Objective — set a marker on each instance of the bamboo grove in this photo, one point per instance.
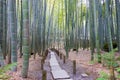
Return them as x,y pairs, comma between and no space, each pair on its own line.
32,26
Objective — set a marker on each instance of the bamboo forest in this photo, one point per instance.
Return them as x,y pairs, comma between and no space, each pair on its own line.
59,39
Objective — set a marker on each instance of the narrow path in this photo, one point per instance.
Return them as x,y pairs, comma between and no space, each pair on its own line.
57,72
54,63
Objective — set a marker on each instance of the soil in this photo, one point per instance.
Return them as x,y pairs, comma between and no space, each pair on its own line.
34,72
83,65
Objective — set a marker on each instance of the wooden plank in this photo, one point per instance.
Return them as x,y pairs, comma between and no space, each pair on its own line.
55,67
60,74
53,60
84,75
52,53
57,72
52,63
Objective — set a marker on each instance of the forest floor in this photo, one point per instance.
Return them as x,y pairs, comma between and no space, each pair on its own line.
83,66
34,72
92,68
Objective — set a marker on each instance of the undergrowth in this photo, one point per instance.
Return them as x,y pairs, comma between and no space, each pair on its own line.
4,69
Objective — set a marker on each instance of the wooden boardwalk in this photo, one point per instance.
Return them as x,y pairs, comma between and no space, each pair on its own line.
57,72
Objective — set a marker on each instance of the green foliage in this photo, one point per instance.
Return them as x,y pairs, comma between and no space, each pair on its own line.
95,59
84,9
118,69
118,76
108,61
117,59
101,79
93,62
4,69
103,76
7,67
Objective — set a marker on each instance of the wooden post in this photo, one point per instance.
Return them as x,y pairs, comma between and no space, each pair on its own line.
34,55
44,59
58,53
61,56
74,66
112,74
64,59
42,63
44,75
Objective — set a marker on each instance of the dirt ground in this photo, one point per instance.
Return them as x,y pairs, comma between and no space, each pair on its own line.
83,66
83,59
34,72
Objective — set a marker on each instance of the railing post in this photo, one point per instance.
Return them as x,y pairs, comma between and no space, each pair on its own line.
44,75
74,66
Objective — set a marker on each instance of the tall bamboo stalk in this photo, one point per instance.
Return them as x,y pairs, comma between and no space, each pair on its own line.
25,45
13,27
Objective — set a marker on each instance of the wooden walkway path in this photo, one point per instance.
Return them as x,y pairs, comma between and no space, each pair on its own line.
57,72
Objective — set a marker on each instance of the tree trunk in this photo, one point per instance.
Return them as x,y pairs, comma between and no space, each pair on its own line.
25,46
13,27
